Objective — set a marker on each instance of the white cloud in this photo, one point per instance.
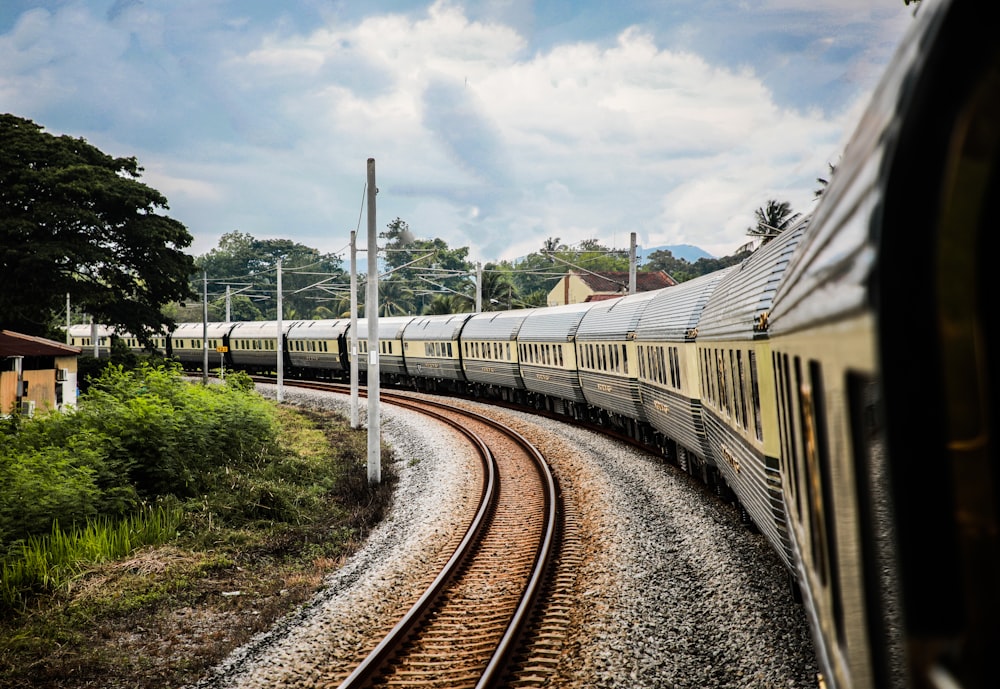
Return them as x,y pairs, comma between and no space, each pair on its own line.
477,140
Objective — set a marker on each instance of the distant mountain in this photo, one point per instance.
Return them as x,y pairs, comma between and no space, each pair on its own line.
684,251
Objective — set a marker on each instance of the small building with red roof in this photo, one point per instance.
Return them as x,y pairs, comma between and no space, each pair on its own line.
577,287
36,373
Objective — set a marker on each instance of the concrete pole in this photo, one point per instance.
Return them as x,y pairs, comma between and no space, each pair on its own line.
204,327
479,287
229,304
353,346
280,347
371,313
68,338
631,266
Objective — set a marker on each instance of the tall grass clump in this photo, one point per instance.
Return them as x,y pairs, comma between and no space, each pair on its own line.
48,562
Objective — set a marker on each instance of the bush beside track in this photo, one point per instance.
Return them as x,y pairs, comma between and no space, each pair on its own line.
162,523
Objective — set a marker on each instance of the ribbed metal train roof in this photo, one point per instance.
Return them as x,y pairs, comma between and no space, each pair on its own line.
495,325
249,329
554,323
674,313
389,327
444,327
326,329
615,319
215,329
744,297
837,255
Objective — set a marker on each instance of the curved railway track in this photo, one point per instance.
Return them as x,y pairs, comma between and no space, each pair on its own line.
466,628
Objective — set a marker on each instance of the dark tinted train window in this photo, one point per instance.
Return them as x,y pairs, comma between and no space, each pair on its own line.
822,448
755,394
812,474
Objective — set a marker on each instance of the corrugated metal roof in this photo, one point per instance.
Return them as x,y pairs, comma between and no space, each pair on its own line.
495,325
553,323
738,309
674,313
614,320
326,329
444,327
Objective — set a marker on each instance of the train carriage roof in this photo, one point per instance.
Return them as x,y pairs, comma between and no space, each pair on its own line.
198,330
443,327
827,276
674,313
738,308
495,325
554,323
615,319
389,327
323,329
245,330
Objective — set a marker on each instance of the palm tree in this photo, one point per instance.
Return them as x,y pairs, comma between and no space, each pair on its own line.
772,219
443,304
498,289
395,298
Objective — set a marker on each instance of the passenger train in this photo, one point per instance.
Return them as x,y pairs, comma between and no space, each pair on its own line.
840,385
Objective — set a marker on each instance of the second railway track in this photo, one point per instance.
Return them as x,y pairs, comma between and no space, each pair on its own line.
464,631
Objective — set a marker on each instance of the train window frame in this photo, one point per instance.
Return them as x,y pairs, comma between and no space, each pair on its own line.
755,395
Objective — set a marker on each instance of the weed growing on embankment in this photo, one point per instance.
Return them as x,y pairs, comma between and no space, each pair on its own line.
163,524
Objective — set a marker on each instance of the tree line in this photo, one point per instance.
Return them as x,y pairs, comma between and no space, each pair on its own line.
76,221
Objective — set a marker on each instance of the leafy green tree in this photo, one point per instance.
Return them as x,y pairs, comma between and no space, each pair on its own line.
395,298
246,263
74,220
439,266
773,218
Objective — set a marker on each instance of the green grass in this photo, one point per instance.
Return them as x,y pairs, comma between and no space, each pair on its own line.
46,563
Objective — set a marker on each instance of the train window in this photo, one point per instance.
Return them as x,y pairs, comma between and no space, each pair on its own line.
791,448
507,348
741,377
755,395
827,508
811,474
624,360
449,350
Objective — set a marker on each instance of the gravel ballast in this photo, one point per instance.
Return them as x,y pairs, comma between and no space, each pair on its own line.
674,591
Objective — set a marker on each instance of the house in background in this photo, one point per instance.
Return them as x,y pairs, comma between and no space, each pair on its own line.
577,287
36,373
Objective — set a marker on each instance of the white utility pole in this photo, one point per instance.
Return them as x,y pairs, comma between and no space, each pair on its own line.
204,327
479,287
353,346
281,358
229,304
371,314
631,266
68,338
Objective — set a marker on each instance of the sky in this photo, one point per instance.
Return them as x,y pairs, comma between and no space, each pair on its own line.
494,125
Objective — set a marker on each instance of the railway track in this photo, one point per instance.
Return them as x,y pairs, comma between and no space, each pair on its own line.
469,627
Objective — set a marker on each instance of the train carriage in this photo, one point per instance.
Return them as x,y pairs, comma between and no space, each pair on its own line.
318,348
489,352
737,399
391,362
82,335
547,357
668,371
608,361
431,346
253,346
887,382
187,344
